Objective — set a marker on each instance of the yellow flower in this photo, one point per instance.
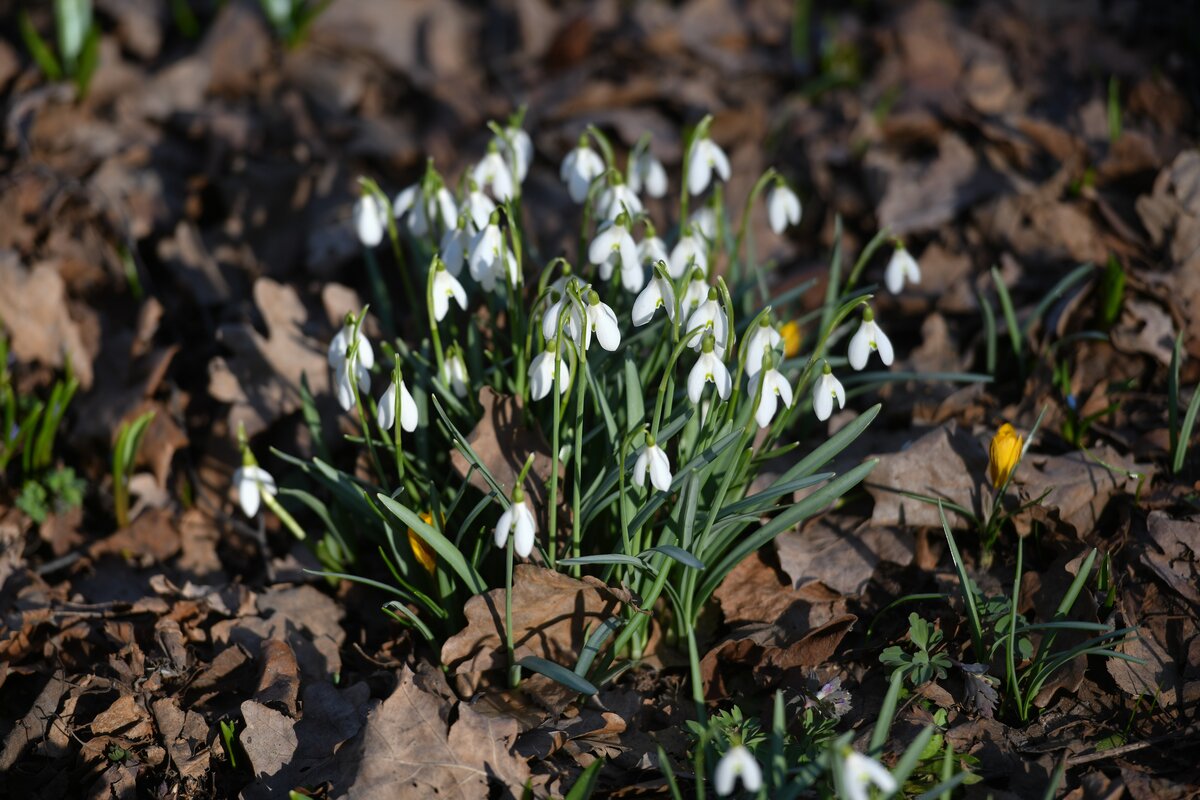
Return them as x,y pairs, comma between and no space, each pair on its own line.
791,339
1003,455
420,548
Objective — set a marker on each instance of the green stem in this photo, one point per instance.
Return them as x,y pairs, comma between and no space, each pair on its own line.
514,670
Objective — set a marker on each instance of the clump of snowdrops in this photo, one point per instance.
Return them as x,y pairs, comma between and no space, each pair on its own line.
653,377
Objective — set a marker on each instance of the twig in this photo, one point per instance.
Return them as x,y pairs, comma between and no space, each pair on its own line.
1132,747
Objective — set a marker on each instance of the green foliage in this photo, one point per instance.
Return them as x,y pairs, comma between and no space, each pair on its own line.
129,441
78,40
292,19
927,662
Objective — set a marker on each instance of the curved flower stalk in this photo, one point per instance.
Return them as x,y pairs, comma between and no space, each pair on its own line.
653,459
901,267
783,207
868,337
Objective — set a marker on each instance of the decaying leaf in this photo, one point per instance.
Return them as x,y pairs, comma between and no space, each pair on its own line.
771,654
945,463
502,442
839,552
551,613
409,749
980,689
262,376
1173,552
1078,487
33,313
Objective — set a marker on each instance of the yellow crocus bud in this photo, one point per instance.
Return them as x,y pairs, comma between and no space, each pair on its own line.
791,339
420,548
1003,455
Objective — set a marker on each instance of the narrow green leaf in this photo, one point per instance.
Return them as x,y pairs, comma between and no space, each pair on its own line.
887,713
831,447
635,408
1185,432
440,544
595,642
41,53
912,755
558,673
676,553
585,784
1010,314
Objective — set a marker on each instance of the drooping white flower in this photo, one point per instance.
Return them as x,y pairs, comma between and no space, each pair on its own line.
600,320
580,167
708,369
520,521
827,389
706,156
491,258
901,267
492,172
370,219
445,286
690,251
860,773
614,247
651,250
647,172
709,317
868,337
573,324
783,207
454,372
480,208
775,388
654,459
658,294
517,148
385,411
541,372
347,369
737,763
704,221
695,293
251,481
618,198
403,202
420,212
763,339
454,245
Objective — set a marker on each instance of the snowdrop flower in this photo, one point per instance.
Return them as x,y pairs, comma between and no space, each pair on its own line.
444,287
658,294
614,246
860,773
710,318
900,268
695,293
370,219
520,521
689,251
493,172
517,149
581,166
869,337
651,250
775,387
541,372
783,207
705,157
347,369
825,391
618,198
572,325
704,220
600,319
454,245
709,369
420,211
647,172
737,763
252,481
490,257
479,207
454,371
385,412
762,340
655,459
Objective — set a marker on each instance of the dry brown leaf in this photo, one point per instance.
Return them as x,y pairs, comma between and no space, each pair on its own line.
184,734
33,310
269,739
409,750
551,613
33,725
279,681
262,377
839,552
1078,487
945,463
1157,676
1176,543
502,442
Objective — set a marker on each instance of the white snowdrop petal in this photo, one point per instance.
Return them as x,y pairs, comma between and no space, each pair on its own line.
503,526
884,345
860,347
639,469
408,410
